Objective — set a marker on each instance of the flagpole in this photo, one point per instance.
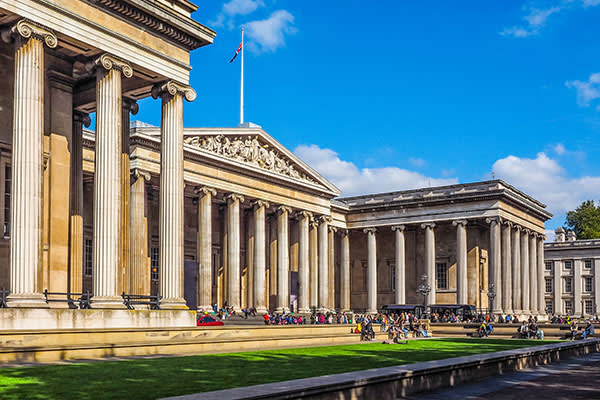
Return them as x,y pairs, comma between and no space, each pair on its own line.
242,83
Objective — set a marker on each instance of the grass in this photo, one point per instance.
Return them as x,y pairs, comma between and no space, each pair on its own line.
161,377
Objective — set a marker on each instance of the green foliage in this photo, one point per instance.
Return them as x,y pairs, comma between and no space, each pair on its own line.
585,220
162,377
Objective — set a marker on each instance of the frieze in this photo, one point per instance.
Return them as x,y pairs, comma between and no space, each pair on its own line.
249,150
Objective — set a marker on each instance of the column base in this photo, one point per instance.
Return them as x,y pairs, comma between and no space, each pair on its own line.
517,312
201,309
279,310
509,311
108,302
26,300
261,310
304,310
173,304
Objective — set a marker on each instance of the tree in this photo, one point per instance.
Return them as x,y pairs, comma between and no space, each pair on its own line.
585,220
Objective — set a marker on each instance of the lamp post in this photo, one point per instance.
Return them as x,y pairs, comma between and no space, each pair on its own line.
424,289
582,309
491,296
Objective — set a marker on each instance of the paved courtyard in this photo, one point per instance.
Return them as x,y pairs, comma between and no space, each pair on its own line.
577,378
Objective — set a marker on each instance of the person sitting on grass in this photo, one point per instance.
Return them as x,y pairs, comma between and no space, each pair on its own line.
588,330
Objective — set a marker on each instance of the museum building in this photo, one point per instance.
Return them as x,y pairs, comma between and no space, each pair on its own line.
204,216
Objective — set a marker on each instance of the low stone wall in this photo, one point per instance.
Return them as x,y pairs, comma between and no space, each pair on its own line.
393,382
64,318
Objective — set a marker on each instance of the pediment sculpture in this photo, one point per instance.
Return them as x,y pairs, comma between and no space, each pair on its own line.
249,150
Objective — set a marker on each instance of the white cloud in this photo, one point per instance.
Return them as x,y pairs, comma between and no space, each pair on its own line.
269,34
546,180
587,91
233,8
417,162
560,149
550,235
538,17
354,181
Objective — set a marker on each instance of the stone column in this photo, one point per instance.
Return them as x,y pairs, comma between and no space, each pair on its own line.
506,268
107,182
345,271
461,261
313,250
129,106
204,247
171,192
27,148
533,280
557,287
577,285
303,261
323,263
516,270
525,272
283,259
372,270
138,239
400,265
495,260
541,280
331,266
596,285
430,259
76,203
260,256
233,250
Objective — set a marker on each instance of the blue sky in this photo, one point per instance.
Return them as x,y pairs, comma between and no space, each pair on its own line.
395,95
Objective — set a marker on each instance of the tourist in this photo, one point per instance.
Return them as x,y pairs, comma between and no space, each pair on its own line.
588,330
573,330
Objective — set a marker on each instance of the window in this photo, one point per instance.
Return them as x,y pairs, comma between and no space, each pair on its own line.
587,264
589,283
568,285
568,306
548,285
7,182
548,265
569,264
549,307
589,307
87,271
441,274
154,263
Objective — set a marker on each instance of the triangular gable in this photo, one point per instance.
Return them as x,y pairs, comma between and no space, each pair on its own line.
256,149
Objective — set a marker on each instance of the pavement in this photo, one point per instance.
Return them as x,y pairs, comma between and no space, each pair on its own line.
573,379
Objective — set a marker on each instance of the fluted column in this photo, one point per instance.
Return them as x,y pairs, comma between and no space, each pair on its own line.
233,250
28,130
516,270
303,261
283,259
313,251
541,287
345,271
525,272
371,270
533,275
506,268
494,263
204,247
430,260
171,192
107,182
461,261
76,203
400,265
323,263
331,265
138,239
260,256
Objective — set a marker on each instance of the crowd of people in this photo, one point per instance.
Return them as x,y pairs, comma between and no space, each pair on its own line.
314,319
397,326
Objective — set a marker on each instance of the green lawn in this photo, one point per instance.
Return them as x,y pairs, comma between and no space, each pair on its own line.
160,377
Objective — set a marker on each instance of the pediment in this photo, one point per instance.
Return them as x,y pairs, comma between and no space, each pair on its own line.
255,149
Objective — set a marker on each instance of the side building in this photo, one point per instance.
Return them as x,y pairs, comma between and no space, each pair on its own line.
572,275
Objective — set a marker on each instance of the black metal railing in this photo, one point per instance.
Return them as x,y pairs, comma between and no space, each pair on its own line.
73,299
131,300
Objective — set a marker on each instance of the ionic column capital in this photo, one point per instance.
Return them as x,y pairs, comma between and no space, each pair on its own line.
429,225
108,62
332,229
344,232
26,29
323,219
137,173
261,203
518,227
491,220
304,214
130,105
82,118
509,224
232,197
172,88
284,209
400,228
370,230
204,190
461,222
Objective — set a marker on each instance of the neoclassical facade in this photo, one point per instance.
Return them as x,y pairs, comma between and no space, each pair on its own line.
204,216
